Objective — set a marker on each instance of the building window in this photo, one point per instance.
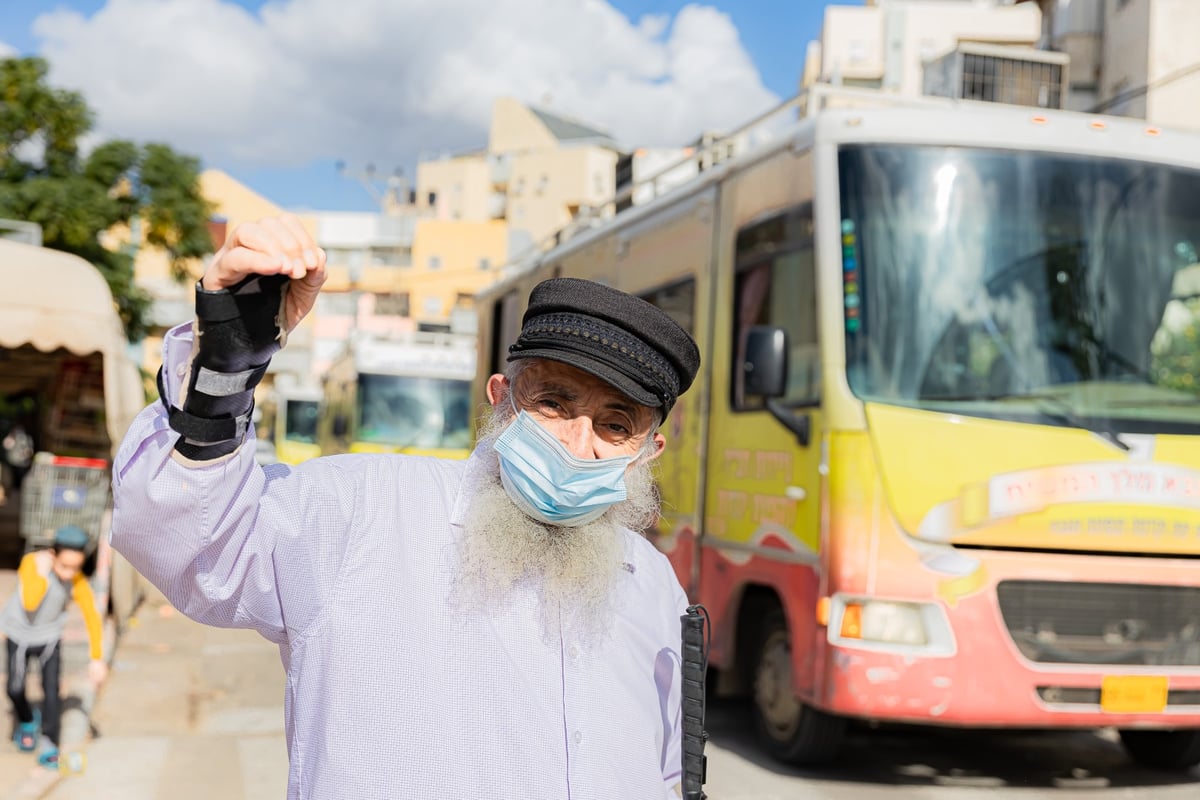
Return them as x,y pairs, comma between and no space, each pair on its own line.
432,197
678,300
337,304
394,304
485,264
435,262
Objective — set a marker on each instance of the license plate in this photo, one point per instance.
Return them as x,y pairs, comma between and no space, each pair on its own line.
1128,694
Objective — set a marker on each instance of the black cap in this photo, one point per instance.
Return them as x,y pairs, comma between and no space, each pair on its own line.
618,337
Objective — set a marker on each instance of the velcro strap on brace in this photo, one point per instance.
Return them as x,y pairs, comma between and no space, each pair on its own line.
204,439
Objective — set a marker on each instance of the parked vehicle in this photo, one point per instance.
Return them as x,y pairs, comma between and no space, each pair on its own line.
942,462
401,393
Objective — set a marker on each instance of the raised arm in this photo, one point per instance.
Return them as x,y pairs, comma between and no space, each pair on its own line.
228,543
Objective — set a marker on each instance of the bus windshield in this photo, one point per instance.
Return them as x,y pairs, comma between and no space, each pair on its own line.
301,421
1051,288
414,412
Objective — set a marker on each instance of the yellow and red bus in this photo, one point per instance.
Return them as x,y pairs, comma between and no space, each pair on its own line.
941,464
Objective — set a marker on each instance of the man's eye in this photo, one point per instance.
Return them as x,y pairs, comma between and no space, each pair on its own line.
548,403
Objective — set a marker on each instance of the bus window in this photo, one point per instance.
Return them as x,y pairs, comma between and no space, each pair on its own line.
775,285
678,300
506,324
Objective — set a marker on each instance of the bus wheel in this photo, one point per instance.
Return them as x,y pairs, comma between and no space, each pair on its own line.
1173,750
787,728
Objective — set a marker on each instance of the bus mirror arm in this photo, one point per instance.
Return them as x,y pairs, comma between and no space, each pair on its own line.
799,424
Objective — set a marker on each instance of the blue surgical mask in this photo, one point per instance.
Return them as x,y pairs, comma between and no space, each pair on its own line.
548,483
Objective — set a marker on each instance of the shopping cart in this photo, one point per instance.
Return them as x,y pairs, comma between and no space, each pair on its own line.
62,490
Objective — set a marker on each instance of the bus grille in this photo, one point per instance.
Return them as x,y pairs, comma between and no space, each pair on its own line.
1054,622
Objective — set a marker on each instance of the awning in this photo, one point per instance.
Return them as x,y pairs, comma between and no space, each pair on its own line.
52,300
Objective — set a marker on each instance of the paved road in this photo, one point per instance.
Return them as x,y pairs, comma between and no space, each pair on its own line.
936,764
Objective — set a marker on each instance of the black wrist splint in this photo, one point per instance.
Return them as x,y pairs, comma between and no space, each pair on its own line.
237,334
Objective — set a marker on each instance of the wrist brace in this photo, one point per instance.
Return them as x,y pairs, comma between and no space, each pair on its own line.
237,333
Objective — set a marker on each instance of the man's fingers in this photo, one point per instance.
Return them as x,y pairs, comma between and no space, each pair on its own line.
307,247
239,262
289,247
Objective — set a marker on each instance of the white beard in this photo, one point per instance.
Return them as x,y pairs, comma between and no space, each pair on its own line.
573,570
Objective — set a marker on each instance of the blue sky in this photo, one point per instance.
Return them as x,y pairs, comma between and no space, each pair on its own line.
276,94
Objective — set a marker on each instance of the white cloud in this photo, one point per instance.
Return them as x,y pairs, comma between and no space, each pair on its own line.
381,80
8,51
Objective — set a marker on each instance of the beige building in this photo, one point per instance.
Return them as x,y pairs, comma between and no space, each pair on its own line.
452,259
538,172
1126,57
1136,58
416,263
887,44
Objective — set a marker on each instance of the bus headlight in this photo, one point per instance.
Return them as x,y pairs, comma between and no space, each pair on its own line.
900,623
890,625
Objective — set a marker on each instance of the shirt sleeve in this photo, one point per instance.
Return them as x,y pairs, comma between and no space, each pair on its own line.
229,542
33,585
81,593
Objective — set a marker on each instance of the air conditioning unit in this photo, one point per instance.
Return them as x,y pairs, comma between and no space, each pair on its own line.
997,74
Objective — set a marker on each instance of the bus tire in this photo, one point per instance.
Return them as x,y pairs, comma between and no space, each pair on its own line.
1167,750
788,729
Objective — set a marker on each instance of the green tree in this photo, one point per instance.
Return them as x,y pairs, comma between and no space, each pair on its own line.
44,178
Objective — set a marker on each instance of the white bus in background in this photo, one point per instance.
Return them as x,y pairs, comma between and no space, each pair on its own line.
401,393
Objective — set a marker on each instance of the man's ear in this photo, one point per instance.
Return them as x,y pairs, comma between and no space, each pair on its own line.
497,389
660,443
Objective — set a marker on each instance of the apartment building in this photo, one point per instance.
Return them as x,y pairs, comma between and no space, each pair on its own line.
1134,58
886,44
1125,57
538,172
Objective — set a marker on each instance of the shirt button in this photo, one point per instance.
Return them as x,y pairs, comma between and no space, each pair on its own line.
573,652
182,368
578,737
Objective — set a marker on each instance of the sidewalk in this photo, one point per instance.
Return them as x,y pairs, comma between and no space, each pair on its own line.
188,712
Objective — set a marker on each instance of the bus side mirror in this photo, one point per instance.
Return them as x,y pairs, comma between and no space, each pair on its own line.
765,367
765,374
340,426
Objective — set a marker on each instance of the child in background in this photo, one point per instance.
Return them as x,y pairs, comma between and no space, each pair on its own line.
33,622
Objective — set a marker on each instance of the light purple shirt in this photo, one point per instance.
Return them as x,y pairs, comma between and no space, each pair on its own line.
346,563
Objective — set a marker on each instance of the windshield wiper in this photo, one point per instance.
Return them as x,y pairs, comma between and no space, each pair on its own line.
1049,405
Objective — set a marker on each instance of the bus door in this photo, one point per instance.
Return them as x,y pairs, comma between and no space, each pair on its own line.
763,494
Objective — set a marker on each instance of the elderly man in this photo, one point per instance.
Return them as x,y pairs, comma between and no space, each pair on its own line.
488,628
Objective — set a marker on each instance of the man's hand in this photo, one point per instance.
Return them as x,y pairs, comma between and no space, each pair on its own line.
272,246
97,671
45,562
